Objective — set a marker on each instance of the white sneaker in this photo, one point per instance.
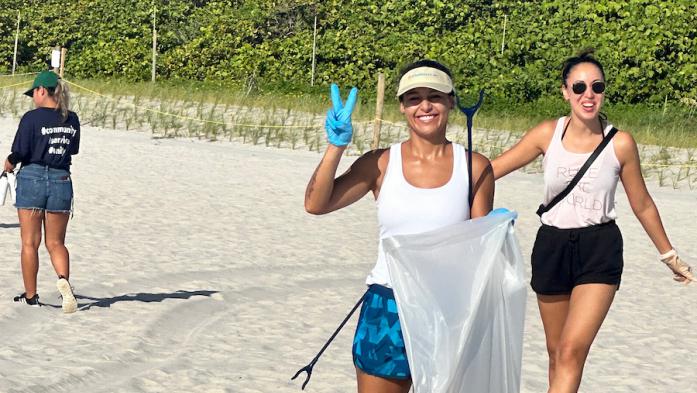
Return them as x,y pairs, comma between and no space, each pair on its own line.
69,302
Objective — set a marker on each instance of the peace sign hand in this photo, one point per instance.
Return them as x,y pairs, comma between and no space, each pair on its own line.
338,122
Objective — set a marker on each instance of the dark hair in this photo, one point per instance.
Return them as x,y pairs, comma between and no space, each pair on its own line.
424,63
585,56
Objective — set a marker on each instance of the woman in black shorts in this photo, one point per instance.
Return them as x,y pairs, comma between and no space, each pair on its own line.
46,139
577,256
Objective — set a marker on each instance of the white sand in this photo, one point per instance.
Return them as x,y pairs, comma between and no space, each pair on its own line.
197,270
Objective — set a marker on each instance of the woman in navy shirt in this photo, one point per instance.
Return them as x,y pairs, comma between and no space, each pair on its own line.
46,139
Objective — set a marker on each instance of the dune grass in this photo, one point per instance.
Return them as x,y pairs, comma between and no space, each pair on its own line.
292,118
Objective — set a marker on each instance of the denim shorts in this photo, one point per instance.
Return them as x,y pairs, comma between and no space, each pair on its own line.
42,188
378,346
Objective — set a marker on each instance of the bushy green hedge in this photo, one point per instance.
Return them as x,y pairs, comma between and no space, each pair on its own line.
649,47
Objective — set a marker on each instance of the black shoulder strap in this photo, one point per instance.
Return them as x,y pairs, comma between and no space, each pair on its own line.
544,209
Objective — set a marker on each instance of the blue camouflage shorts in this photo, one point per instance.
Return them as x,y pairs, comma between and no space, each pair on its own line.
378,346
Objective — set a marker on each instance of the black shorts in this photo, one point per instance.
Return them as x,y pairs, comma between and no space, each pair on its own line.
564,258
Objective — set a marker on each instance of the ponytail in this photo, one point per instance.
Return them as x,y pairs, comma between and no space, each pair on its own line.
62,96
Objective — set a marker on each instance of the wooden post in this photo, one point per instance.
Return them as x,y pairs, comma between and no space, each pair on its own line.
14,59
314,51
64,51
378,110
503,39
154,44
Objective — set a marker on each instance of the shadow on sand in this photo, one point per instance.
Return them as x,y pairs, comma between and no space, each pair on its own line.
132,297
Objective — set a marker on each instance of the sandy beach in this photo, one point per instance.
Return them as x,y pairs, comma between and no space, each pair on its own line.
197,270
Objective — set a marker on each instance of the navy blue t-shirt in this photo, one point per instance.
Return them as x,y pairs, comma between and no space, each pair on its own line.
43,138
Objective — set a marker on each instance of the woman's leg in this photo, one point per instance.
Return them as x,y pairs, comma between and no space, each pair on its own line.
371,384
55,228
553,310
30,232
56,224
588,306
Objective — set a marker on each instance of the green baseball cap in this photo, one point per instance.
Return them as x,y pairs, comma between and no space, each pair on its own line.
44,79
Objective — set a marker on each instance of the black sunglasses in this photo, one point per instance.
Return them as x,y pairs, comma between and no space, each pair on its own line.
579,87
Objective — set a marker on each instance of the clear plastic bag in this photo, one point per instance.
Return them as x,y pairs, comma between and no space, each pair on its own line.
7,188
461,296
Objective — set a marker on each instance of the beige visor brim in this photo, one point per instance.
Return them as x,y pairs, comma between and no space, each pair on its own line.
425,77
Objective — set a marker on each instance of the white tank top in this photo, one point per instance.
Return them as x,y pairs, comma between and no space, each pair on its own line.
592,201
405,209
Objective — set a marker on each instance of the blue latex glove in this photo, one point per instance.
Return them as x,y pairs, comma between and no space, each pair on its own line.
502,210
338,122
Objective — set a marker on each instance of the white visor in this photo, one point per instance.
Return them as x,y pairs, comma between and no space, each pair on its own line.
425,77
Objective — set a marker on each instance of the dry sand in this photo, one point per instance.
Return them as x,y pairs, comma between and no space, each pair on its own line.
197,270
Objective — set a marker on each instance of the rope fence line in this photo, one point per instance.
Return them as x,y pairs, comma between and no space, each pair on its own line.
14,85
390,122
670,165
110,98
16,75
182,117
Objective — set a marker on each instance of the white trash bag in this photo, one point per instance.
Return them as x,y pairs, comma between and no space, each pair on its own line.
461,296
7,188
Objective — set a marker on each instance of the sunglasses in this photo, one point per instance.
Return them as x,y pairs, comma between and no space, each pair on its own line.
579,87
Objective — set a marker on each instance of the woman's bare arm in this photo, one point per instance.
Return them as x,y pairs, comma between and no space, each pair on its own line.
483,187
325,193
533,143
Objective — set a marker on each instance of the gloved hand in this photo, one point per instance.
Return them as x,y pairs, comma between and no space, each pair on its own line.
338,122
681,270
502,210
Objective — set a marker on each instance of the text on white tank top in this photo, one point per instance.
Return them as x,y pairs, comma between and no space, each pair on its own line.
592,201
405,209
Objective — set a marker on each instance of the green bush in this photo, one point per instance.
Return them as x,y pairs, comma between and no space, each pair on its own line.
649,48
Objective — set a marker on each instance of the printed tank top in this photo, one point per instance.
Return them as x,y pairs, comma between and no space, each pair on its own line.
592,201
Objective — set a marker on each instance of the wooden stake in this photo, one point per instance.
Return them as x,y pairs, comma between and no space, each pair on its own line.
154,45
314,51
503,39
378,110
64,51
14,59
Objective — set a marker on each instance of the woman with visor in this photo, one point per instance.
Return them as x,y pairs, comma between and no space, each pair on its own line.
419,185
577,256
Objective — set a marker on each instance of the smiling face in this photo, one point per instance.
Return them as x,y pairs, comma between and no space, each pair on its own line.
426,111
586,105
